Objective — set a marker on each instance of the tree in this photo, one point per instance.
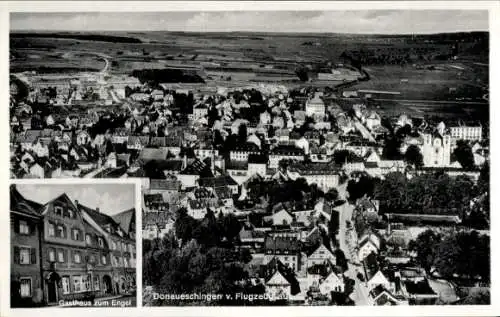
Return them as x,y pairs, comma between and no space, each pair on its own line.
334,224
242,133
364,186
463,154
340,259
426,248
413,156
483,183
332,195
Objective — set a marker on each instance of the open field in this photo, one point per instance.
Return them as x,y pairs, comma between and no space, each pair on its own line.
443,82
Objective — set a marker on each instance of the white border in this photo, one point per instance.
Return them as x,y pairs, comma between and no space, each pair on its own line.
154,6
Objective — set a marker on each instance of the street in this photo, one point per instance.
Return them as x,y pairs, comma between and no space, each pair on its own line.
347,243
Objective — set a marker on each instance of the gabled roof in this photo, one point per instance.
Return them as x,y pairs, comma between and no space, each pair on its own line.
165,184
126,220
21,204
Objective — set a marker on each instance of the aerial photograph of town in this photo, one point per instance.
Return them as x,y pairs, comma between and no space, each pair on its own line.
305,158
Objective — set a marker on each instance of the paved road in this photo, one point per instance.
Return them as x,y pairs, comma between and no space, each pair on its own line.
347,240
364,131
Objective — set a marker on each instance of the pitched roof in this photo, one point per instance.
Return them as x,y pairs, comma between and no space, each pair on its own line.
19,203
126,220
153,154
164,184
281,244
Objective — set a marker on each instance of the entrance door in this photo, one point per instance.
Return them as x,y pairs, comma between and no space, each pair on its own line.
52,291
108,288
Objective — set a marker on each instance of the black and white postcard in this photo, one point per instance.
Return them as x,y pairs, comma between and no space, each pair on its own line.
304,156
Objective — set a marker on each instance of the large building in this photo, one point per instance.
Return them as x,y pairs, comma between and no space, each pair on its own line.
315,106
436,150
62,250
121,247
464,132
26,276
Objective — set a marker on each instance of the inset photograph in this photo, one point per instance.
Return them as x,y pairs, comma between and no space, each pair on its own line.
72,245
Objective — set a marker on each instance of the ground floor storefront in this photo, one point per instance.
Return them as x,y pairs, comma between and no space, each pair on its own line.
63,286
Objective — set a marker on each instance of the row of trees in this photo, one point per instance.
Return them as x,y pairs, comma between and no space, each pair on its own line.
199,257
454,255
431,192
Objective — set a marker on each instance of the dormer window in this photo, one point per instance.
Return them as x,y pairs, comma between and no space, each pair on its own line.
101,242
58,210
88,239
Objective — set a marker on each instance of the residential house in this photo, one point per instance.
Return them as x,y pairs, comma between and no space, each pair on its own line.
27,285
368,243
284,152
320,255
285,249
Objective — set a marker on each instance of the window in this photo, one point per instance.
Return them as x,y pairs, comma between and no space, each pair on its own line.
24,255
58,210
65,285
67,213
88,239
92,258
96,283
60,256
24,227
77,284
113,245
101,242
76,257
52,230
76,234
52,255
125,262
86,282
25,286
103,259
61,231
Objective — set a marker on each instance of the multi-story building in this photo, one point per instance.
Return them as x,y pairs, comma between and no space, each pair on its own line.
283,152
436,150
121,246
325,175
26,276
464,132
75,257
315,106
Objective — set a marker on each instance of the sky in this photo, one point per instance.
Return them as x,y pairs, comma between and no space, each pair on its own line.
110,199
362,21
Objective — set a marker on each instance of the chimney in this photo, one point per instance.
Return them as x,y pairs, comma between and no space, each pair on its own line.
76,202
97,209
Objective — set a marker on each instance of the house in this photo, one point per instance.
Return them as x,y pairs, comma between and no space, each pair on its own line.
242,151
25,262
315,106
367,205
200,111
380,296
82,138
257,164
153,154
137,142
280,281
320,255
368,243
373,120
373,274
283,152
325,175
325,278
285,249
280,217
420,292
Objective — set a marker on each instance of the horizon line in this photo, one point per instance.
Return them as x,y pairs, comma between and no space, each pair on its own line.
248,31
